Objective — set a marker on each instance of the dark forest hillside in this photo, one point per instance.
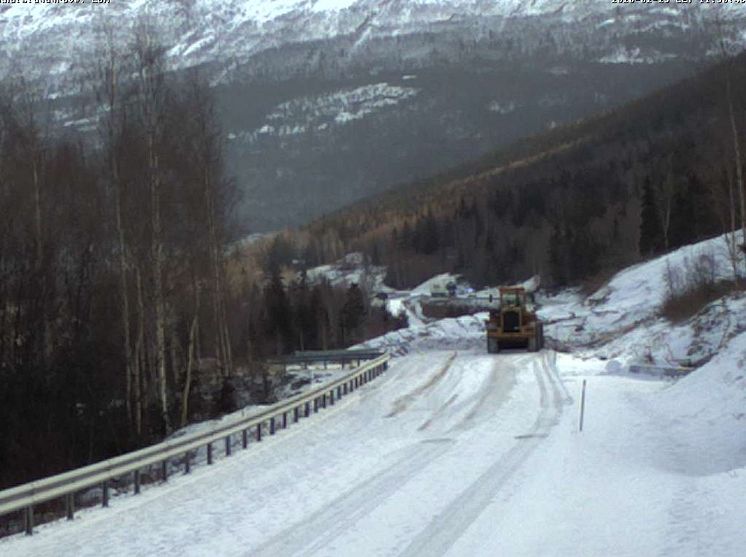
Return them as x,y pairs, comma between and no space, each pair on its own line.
570,204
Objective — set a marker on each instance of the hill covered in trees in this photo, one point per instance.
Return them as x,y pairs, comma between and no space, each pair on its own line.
570,204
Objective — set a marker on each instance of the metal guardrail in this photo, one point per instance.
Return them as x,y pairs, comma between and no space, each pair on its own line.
25,497
326,356
667,371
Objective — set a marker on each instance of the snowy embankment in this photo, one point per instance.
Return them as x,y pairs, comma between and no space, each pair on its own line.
660,468
622,319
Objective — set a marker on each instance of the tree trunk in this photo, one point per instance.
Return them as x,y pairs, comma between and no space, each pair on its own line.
737,153
111,91
160,303
191,350
42,277
223,348
730,235
140,344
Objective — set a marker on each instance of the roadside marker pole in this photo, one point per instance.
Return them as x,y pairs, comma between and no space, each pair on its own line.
582,406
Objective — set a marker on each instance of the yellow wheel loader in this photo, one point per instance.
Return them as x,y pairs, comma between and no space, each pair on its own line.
514,324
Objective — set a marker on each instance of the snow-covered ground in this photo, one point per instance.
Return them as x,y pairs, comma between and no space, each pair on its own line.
351,269
457,452
319,112
621,320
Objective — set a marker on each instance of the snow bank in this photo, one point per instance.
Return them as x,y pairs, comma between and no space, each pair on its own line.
707,410
351,269
445,334
621,319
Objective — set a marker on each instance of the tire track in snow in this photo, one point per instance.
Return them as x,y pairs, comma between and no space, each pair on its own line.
314,533
490,395
403,402
495,394
450,524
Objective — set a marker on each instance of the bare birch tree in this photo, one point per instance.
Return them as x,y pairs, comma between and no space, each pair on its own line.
151,90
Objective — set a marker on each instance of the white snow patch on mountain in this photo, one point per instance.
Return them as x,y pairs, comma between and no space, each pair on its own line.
501,108
301,115
624,55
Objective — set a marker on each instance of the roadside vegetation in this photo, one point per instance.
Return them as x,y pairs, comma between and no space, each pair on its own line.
123,312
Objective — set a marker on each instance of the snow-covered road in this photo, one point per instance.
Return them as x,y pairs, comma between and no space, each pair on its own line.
459,453
403,466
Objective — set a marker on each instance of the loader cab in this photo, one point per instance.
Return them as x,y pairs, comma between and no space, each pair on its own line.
512,297
512,303
515,323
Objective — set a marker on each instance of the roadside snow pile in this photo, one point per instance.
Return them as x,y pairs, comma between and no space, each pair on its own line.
621,320
351,269
445,334
691,343
659,468
707,411
438,282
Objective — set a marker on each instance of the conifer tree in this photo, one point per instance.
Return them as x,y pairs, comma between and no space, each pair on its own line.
650,229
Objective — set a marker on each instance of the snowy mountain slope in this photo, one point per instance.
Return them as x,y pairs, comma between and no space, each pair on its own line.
326,102
51,38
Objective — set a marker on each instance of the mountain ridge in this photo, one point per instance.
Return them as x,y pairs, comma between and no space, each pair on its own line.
325,102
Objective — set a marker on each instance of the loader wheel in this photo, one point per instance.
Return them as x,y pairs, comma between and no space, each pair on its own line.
540,335
532,344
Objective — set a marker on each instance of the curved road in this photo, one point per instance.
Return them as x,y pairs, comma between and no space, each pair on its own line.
402,467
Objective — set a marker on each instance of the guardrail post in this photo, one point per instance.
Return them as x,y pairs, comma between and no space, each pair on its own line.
70,505
315,405
331,397
209,453
228,446
308,409
136,479
259,432
187,463
29,520
105,494
323,400
245,438
164,470
284,420
272,425
295,415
